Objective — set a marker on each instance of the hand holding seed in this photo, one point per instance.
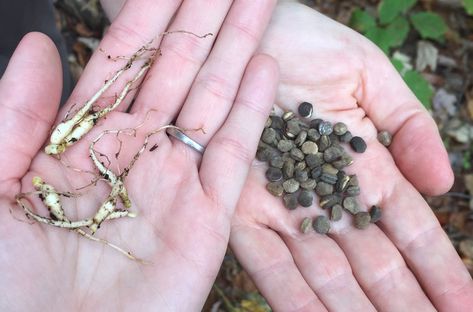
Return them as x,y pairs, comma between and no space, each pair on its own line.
404,262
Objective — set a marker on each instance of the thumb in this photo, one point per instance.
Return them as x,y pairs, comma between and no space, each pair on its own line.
30,91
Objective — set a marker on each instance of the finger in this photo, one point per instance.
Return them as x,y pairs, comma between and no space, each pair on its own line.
266,258
228,156
214,90
412,226
139,22
30,92
327,271
392,106
171,77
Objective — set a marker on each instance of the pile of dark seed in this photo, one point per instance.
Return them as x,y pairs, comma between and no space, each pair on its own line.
304,157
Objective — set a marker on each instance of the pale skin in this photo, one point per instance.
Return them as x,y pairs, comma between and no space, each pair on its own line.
264,236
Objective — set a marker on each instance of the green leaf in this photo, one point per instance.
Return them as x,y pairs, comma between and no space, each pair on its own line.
429,25
388,10
391,36
468,5
421,87
362,20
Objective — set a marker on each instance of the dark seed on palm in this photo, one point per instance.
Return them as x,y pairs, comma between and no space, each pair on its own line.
323,189
274,174
313,135
316,172
293,127
315,123
305,198
324,143
277,123
354,180
308,184
336,213
314,160
321,225
306,225
301,165
340,128
325,128
385,138
291,186
275,189
362,220
375,214
269,136
334,139
288,116
266,152
358,144
345,161
353,190
329,178
305,109
333,153
297,154
276,162
301,175
301,138
329,201
288,169
351,205
309,148
285,145
345,138
342,183
328,168
290,201
268,122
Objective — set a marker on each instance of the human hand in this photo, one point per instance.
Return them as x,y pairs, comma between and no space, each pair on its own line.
403,263
184,209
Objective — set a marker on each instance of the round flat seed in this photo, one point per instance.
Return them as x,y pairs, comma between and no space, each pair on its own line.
275,189
290,201
333,153
321,225
362,220
329,201
285,145
354,180
375,214
301,175
301,138
277,123
351,205
342,183
268,122
266,152
309,148
288,169
268,136
300,165
345,138
353,190
306,225
324,143
274,174
345,161
313,135
315,123
305,198
293,127
314,160
288,115
316,172
309,184
358,144
340,128
328,168
291,186
336,213
328,178
325,128
323,189
276,162
305,109
385,138
297,154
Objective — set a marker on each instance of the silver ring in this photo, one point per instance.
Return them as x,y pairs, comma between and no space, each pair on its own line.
178,134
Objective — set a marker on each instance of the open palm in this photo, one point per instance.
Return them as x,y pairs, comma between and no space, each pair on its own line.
184,200
403,263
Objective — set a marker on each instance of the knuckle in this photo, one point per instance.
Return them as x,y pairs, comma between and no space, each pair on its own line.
125,36
245,30
234,148
217,86
188,48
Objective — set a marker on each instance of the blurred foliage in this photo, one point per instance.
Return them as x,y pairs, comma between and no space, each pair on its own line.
468,5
